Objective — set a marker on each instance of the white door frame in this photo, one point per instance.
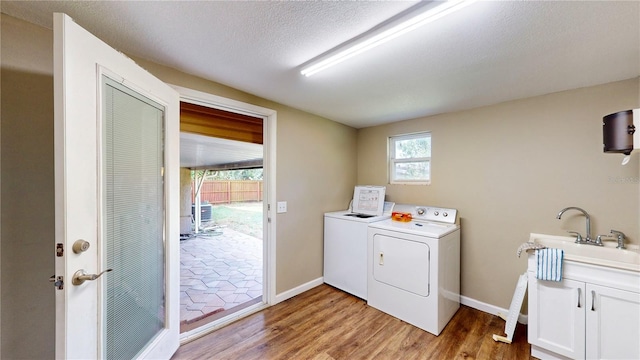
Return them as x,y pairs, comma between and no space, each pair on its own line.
269,220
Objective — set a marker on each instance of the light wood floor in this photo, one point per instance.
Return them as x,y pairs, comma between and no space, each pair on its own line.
325,323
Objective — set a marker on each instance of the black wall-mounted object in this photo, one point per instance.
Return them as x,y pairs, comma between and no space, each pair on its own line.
617,132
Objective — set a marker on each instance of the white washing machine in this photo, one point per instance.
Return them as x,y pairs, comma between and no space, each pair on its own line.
413,268
345,240
345,251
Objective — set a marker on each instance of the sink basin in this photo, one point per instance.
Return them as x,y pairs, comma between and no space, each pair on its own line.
608,255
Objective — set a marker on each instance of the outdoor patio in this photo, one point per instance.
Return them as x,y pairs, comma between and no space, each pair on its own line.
219,270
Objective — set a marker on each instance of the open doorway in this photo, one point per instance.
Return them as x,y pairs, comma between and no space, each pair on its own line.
222,215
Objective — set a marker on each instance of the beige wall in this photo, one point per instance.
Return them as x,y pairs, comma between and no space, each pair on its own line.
316,172
510,168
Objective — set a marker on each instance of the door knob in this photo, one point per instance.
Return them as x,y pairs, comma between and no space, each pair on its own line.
80,246
80,276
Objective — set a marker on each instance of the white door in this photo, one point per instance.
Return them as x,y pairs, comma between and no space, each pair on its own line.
402,263
556,316
117,186
613,323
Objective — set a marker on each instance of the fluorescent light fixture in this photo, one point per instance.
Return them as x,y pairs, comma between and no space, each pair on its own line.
430,15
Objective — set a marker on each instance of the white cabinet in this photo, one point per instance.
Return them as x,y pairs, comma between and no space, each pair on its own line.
593,313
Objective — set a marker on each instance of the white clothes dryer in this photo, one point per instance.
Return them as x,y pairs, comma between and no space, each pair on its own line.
414,267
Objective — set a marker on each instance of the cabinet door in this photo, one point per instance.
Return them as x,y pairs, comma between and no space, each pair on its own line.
613,323
556,316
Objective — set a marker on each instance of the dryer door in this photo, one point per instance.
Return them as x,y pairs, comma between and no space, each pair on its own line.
401,263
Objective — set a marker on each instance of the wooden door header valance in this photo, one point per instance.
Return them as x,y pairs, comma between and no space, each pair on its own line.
207,121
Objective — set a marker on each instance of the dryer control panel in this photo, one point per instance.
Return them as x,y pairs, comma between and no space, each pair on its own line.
444,215
428,213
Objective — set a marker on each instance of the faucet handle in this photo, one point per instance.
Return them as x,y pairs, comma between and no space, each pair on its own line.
621,238
578,236
599,239
617,233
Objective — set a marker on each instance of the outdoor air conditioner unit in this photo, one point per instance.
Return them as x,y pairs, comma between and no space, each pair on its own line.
205,211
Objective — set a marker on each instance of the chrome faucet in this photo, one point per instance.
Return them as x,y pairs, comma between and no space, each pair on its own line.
587,238
620,236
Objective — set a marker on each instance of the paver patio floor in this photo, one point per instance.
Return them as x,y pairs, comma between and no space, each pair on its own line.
218,272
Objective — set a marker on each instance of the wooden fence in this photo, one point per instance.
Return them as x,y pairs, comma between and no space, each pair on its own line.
228,191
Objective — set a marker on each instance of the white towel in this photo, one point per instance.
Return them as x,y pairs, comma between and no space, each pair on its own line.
549,264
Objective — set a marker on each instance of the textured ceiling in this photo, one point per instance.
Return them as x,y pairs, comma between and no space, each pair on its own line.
489,52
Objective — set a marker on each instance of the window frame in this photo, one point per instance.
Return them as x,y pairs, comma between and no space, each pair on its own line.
392,160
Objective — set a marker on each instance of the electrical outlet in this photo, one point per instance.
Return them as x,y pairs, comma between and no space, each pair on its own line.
282,207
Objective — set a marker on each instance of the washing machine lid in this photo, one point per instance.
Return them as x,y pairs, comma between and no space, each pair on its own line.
351,216
421,228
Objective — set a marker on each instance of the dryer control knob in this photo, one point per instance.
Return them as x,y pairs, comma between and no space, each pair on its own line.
436,213
445,214
420,211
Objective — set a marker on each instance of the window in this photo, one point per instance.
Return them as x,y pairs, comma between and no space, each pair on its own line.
410,159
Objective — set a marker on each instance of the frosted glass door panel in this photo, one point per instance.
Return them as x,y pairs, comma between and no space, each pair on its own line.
133,213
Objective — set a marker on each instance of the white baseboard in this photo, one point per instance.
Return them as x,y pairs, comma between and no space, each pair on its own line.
298,290
473,303
488,308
